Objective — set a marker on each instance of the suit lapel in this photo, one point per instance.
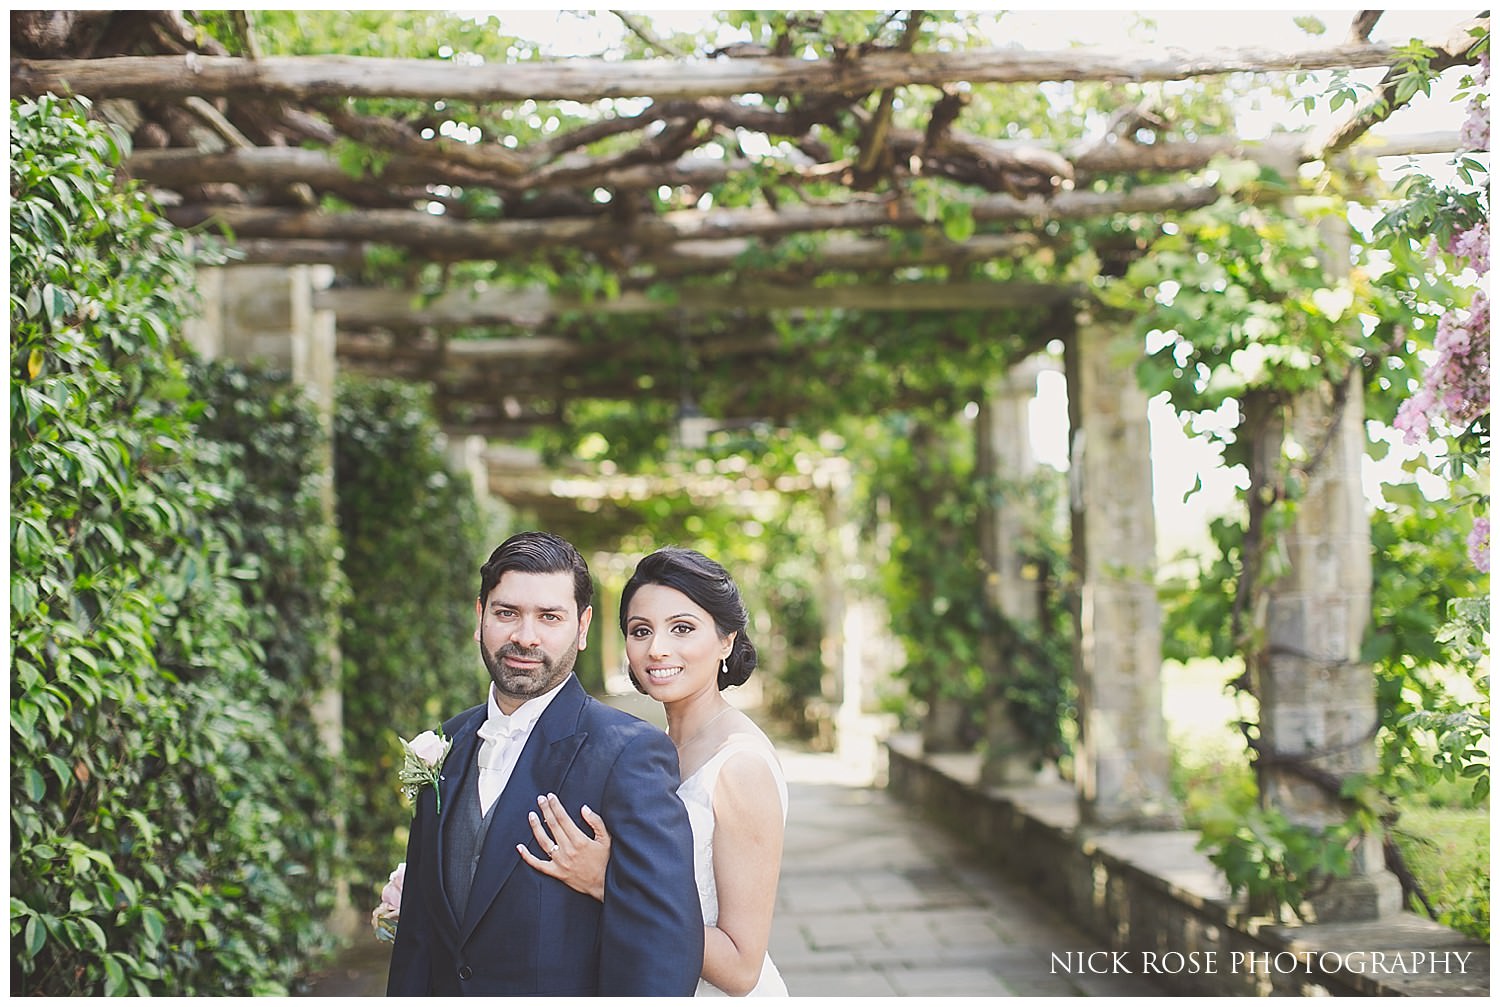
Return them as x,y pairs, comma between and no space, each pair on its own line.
541,769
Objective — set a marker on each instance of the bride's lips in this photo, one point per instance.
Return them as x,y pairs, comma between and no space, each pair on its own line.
663,674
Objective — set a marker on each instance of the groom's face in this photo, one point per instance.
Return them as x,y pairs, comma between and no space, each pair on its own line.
530,632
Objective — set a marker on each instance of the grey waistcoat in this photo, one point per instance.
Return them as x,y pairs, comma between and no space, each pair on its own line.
463,842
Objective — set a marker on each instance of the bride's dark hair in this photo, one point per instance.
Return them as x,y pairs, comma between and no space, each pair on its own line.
712,589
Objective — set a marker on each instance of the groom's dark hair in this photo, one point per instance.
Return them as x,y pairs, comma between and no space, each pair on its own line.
537,552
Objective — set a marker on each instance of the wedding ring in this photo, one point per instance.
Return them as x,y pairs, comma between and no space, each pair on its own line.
553,852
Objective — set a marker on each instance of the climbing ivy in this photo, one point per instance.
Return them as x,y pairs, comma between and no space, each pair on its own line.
922,494
414,538
167,835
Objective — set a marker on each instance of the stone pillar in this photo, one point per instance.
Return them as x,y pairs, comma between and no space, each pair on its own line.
265,314
859,653
1317,699
1122,763
1006,461
832,608
256,314
466,456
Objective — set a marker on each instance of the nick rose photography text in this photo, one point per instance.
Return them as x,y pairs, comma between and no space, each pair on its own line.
1259,962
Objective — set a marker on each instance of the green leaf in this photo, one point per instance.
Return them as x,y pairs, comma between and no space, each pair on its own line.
152,923
97,933
115,982
36,936
958,221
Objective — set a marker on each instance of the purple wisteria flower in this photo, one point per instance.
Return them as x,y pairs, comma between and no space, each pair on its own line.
1479,545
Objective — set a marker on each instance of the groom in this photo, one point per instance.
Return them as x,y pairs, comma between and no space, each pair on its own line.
474,919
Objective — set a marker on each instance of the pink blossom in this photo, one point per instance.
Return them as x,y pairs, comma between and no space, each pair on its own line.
1473,245
1479,545
1457,384
390,895
1411,418
1452,338
429,747
1475,132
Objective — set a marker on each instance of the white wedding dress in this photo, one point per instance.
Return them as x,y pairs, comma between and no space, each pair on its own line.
697,793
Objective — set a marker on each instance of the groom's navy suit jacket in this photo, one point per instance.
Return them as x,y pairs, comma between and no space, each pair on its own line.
524,933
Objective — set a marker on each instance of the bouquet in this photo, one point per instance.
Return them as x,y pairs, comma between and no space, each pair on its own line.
388,913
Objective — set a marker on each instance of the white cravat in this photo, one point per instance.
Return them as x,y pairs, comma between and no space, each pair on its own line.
503,739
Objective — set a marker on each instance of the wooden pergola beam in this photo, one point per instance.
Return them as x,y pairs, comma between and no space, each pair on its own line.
461,357
280,166
309,78
418,230
690,256
370,307
838,252
674,248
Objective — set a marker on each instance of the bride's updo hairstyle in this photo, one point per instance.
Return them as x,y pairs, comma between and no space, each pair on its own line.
710,587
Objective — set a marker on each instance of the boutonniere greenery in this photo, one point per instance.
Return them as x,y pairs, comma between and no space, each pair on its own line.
422,760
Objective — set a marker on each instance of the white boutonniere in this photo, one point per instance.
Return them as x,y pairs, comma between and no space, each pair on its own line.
421,763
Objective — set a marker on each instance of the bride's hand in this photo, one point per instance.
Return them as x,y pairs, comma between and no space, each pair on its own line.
576,860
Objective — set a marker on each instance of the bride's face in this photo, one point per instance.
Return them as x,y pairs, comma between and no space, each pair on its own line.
672,644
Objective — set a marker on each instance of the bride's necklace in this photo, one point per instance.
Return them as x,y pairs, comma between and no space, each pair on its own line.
705,727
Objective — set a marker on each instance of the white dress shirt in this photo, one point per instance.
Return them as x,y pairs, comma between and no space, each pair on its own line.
503,739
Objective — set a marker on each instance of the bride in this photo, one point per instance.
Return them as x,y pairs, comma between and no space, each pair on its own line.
684,625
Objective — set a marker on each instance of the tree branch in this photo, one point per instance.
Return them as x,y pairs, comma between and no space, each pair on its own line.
1456,50
640,30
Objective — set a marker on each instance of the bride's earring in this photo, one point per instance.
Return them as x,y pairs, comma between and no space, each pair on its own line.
723,671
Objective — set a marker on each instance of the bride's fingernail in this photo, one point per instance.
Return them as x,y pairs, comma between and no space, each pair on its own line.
588,810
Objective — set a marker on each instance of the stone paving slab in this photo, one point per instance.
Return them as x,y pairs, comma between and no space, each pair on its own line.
875,902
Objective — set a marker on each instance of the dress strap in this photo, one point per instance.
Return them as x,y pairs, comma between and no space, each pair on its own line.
709,771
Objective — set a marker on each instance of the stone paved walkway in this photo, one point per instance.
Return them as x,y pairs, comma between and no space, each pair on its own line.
876,902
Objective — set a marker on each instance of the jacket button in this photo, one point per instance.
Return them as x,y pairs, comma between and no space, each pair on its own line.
465,973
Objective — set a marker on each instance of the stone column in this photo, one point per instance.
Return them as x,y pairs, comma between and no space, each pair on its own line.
1122,763
466,457
265,314
1006,461
859,652
258,314
833,605
1317,700
1318,714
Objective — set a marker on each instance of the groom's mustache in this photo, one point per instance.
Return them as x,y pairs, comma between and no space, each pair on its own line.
511,650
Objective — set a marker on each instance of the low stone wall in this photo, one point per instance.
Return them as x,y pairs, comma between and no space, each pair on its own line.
1164,910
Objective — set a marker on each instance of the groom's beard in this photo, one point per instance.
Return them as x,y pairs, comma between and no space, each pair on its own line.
524,683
